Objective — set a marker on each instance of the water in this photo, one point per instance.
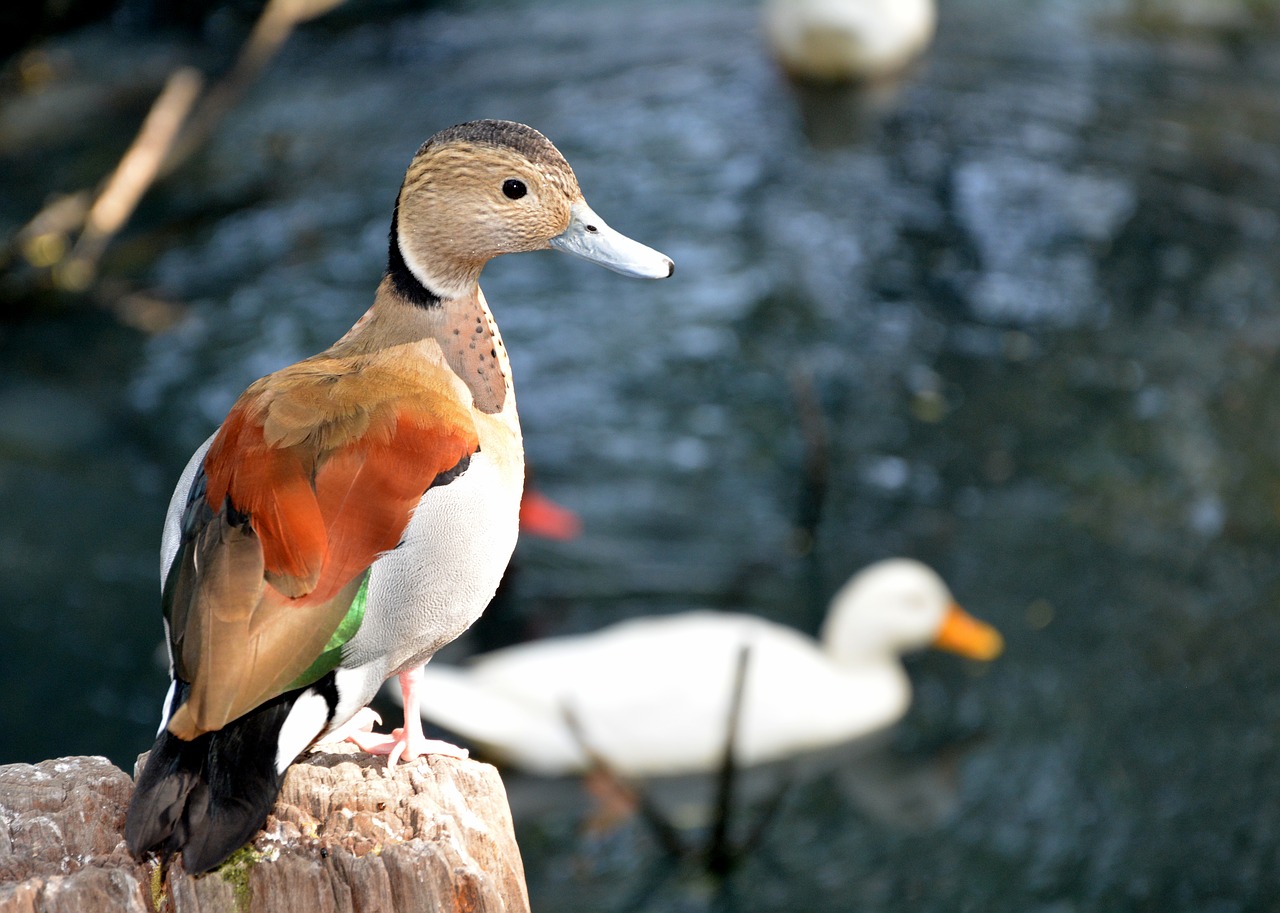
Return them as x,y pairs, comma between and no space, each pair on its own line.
1032,296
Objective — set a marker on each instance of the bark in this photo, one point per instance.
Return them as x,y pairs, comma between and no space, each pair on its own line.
345,837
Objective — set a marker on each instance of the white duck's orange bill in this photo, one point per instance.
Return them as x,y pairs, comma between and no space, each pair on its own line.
962,633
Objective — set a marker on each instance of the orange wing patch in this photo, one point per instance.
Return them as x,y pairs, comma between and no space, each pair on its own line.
367,493
272,486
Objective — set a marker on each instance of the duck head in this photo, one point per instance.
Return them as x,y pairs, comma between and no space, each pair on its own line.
897,606
490,187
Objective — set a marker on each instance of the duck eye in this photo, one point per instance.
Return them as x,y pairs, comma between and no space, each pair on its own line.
514,189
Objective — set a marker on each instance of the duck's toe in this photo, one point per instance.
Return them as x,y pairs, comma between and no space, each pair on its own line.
362,723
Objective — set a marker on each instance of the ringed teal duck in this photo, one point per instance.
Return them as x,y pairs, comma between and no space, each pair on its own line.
355,511
651,696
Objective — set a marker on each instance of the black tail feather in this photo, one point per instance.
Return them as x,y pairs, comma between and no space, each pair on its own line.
207,797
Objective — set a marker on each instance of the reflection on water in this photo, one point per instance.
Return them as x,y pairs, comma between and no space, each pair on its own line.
1034,295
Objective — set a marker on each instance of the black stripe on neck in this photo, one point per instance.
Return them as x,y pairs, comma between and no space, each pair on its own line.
406,284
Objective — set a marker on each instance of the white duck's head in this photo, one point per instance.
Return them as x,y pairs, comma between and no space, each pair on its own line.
898,605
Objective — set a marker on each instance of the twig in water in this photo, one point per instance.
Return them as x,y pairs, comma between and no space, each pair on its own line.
667,833
720,855
812,497
817,456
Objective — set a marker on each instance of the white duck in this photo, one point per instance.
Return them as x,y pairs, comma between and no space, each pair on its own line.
652,696
837,41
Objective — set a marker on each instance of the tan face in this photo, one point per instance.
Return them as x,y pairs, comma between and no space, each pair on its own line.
485,188
464,203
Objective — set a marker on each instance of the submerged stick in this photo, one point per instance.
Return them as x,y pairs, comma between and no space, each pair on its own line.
720,855
667,833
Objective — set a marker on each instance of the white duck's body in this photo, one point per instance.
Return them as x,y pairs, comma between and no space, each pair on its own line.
652,696
847,40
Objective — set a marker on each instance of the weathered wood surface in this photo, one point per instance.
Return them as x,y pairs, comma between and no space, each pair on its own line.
344,836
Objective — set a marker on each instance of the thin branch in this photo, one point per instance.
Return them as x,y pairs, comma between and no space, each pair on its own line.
767,816
274,26
720,855
817,454
668,835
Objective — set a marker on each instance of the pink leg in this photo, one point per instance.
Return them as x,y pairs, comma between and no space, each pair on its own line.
407,743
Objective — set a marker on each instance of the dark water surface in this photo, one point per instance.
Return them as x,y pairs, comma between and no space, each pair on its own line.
1033,297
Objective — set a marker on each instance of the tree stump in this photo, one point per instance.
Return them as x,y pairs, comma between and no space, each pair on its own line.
346,835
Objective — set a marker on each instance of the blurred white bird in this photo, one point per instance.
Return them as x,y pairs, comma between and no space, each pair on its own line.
847,40
652,696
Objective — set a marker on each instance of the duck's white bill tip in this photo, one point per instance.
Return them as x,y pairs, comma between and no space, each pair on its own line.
590,238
